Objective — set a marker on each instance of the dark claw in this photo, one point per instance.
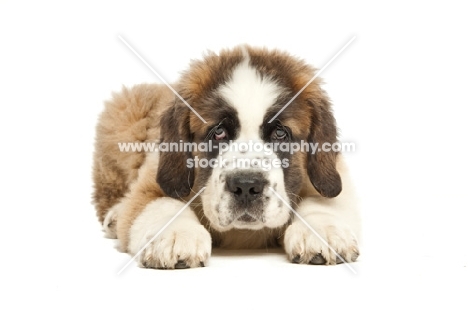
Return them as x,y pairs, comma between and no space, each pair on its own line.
202,264
339,260
355,256
146,264
296,259
181,265
318,260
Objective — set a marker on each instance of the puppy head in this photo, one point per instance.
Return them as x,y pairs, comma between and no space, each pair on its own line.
253,183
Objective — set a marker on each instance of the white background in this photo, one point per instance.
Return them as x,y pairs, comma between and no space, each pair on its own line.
399,92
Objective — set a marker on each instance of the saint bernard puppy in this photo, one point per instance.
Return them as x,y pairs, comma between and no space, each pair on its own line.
228,103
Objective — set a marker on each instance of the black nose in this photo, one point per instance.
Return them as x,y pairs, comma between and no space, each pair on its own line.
246,187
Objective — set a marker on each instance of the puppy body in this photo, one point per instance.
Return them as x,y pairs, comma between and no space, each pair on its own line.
236,92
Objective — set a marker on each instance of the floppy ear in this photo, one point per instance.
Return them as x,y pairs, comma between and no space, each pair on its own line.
173,176
321,166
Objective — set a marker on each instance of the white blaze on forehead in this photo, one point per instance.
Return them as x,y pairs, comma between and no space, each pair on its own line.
251,96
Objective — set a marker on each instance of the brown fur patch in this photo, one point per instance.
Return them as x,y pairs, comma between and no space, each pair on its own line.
131,116
203,76
175,179
321,166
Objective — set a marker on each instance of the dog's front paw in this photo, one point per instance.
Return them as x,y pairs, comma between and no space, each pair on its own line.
185,245
167,239
335,242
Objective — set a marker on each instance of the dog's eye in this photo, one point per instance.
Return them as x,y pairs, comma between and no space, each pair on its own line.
219,133
279,134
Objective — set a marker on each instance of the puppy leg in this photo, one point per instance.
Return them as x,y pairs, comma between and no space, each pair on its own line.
335,221
145,211
183,243
335,236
